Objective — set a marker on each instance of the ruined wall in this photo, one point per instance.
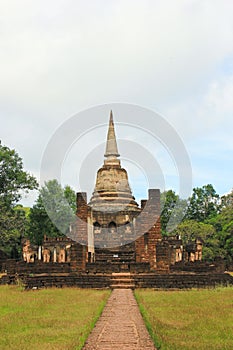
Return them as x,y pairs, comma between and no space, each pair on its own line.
81,234
156,281
122,234
78,257
163,255
182,281
148,229
217,266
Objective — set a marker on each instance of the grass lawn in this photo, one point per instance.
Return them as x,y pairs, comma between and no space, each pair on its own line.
195,319
58,319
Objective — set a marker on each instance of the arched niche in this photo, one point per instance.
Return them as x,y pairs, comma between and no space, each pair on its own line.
97,227
128,227
112,227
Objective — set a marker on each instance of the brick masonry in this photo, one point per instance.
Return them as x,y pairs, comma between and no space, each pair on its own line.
63,276
120,326
148,229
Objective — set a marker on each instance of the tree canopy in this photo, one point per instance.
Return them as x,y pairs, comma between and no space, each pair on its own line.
208,217
53,211
173,210
203,204
14,180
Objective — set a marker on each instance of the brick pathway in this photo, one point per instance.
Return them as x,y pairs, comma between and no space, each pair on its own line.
120,326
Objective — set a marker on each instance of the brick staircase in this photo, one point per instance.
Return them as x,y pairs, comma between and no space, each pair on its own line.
122,280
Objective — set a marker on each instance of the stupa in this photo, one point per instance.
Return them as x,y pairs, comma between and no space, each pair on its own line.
112,225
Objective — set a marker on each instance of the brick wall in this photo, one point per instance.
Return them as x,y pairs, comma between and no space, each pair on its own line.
147,280
78,257
148,229
82,213
182,281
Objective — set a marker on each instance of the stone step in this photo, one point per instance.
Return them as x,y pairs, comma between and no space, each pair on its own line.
121,274
122,286
120,280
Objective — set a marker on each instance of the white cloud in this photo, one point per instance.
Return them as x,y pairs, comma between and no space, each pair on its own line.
58,57
219,98
121,50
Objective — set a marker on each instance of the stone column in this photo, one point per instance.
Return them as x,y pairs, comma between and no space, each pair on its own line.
54,254
91,248
39,253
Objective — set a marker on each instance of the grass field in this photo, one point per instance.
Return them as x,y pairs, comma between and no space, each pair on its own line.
195,319
58,319
61,319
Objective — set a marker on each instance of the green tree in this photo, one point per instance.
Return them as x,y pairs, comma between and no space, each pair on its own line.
223,224
227,200
14,181
172,211
53,212
228,240
189,230
40,223
12,226
70,196
203,204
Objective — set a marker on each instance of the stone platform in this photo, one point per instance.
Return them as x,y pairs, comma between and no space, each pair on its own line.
118,280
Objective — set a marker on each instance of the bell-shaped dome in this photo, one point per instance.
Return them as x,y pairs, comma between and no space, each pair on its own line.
112,191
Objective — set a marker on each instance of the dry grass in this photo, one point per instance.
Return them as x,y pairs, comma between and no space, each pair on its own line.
58,319
196,319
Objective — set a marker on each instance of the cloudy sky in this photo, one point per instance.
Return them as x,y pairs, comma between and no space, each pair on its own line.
173,57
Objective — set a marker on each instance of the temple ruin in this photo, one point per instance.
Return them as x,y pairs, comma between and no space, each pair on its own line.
115,242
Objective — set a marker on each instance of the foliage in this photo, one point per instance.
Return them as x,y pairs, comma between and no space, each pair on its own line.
194,319
52,213
223,224
203,204
208,217
227,200
40,223
70,197
172,211
13,181
190,230
12,225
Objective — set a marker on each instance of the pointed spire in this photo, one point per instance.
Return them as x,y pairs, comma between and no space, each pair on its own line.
111,152
111,118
